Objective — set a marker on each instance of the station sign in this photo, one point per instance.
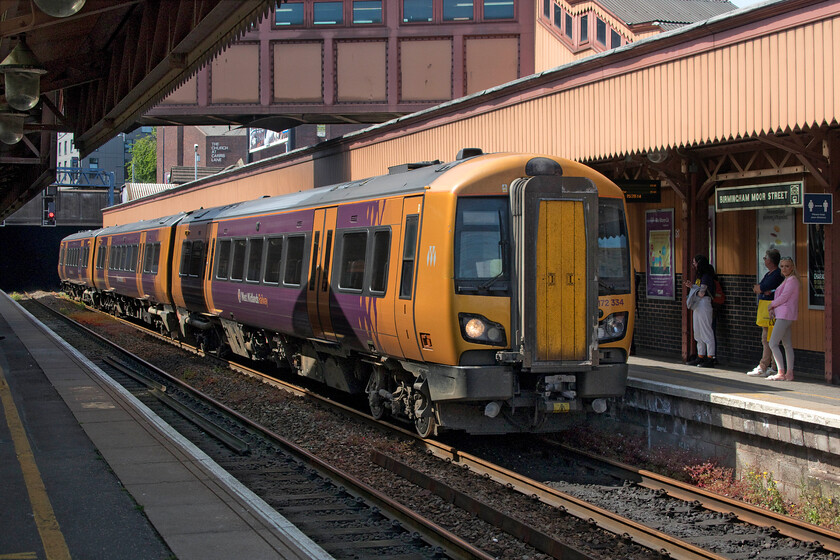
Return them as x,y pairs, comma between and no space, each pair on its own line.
753,197
641,191
818,208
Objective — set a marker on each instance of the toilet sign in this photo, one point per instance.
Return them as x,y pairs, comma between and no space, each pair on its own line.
818,208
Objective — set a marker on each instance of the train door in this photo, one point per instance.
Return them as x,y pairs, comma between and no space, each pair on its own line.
406,280
139,260
212,235
556,295
318,289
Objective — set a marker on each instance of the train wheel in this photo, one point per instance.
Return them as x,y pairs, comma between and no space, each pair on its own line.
377,381
425,426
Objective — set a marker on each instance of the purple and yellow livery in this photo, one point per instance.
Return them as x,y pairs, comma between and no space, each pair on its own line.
491,294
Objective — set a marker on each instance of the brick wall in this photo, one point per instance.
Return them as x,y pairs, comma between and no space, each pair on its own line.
659,322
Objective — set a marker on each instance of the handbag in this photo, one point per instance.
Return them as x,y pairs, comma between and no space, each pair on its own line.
762,316
693,298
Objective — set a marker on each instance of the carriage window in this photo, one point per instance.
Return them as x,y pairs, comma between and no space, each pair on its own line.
186,256
197,260
255,251
294,260
613,248
381,249
354,246
223,259
133,263
238,267
123,257
147,258
409,249
272,260
481,240
155,258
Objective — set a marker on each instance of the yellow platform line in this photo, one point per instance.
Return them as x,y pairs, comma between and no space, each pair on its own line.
53,540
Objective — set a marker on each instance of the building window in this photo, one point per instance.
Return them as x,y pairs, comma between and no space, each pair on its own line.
367,12
547,9
558,17
498,9
457,10
584,29
615,39
417,10
328,13
569,24
93,163
289,14
601,31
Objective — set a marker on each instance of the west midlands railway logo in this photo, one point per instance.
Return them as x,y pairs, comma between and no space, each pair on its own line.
248,297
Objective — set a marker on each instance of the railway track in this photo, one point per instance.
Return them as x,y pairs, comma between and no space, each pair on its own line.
813,541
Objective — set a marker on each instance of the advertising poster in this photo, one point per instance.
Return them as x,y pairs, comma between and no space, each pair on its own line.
260,139
659,232
775,231
816,266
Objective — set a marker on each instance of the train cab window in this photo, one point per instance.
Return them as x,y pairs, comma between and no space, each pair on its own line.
238,259
409,250
613,248
273,256
197,259
255,253
481,241
223,259
353,249
294,260
381,250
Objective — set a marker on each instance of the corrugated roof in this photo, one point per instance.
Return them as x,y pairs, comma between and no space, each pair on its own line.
133,191
667,11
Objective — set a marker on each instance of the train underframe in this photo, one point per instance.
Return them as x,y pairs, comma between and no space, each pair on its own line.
492,399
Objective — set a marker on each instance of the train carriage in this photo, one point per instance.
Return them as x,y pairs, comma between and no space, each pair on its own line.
75,262
491,294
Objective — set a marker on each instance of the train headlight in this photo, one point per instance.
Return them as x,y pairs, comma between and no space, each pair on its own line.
479,329
612,327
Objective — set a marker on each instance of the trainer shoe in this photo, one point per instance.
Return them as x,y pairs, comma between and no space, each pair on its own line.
707,362
695,361
757,372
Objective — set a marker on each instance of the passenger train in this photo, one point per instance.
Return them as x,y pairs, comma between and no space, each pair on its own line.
491,294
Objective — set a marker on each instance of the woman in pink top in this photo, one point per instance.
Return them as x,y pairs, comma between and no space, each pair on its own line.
784,309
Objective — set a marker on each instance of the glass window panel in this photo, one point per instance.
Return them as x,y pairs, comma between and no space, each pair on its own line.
547,8
584,29
294,260
156,259
367,12
417,10
457,10
569,26
272,260
498,9
558,17
186,254
238,268
197,261
601,31
255,251
328,13
289,13
409,248
353,260
381,250
615,39
223,259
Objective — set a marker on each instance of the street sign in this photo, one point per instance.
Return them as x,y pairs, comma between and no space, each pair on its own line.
818,208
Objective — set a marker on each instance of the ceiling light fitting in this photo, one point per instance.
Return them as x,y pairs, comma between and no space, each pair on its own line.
60,8
23,77
11,126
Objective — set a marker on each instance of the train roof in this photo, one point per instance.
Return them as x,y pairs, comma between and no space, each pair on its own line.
166,221
407,182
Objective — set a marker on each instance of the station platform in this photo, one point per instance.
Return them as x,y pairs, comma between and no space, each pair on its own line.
87,471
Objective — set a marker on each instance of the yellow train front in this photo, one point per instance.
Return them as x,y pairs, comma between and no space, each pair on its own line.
522,310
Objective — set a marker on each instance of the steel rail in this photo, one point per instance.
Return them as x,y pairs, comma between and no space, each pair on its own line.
609,521
800,530
435,534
